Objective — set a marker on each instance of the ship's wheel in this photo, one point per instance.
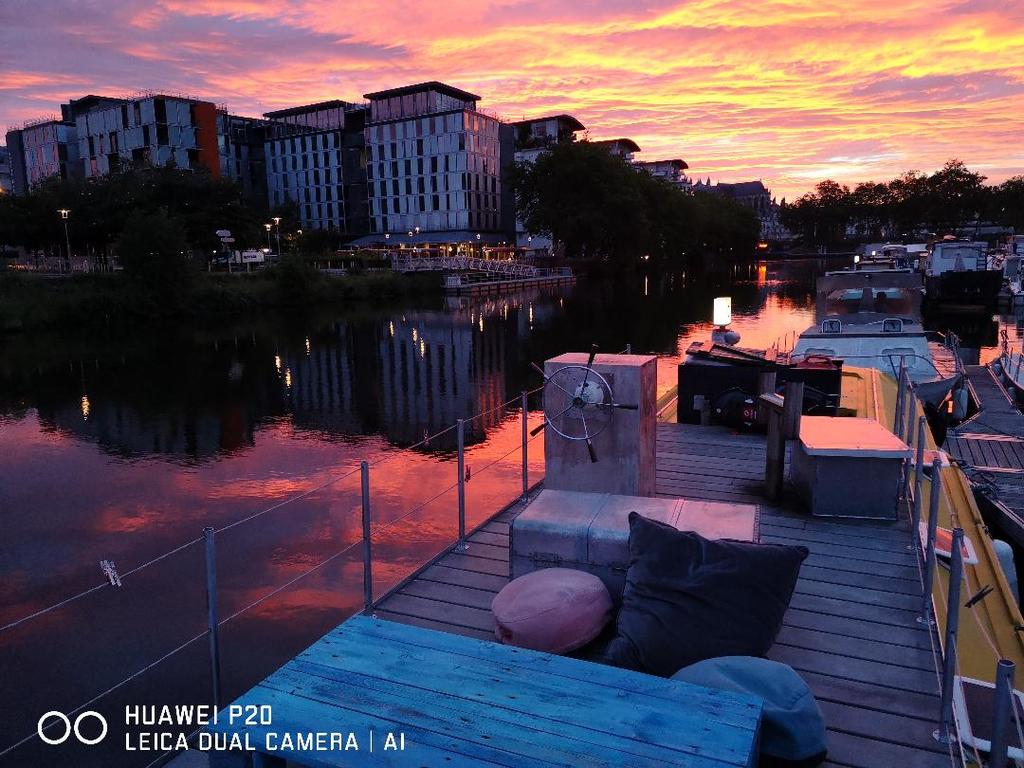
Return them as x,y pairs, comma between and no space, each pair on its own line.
578,402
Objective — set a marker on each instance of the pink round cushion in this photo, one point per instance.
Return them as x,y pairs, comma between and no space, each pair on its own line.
554,610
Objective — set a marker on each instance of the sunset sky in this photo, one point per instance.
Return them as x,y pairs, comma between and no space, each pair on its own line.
788,91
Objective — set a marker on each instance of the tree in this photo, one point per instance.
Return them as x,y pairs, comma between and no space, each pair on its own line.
154,253
601,206
1006,203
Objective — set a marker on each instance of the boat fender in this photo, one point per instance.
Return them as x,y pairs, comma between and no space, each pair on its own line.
960,403
1004,552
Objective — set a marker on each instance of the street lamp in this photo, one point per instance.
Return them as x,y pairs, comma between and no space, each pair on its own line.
268,227
277,232
64,213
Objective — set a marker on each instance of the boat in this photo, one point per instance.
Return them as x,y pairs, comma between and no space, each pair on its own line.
958,274
870,317
1012,295
720,382
883,256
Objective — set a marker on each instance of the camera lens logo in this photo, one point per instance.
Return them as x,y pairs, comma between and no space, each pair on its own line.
41,727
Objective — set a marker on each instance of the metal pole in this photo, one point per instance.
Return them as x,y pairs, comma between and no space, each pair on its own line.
67,239
364,472
929,553
1001,709
922,424
897,419
461,432
908,436
956,571
211,613
526,467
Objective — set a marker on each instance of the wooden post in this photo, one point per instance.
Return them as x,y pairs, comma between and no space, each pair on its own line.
775,449
765,386
792,409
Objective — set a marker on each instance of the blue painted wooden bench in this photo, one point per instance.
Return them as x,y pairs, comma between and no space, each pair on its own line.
465,702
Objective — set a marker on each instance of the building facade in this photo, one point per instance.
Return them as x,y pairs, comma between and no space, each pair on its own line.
756,196
433,165
40,151
153,130
315,158
673,171
624,148
6,180
241,145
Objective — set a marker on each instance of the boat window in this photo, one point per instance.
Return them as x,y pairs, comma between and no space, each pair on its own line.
909,356
832,325
892,325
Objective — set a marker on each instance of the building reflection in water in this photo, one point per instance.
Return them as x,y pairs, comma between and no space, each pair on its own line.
402,376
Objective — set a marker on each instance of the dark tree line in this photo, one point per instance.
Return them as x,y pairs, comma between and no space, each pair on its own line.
197,204
600,206
910,205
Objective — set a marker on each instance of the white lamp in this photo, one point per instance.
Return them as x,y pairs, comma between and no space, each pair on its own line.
722,311
721,316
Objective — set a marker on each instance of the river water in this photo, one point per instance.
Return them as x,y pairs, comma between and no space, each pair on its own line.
123,445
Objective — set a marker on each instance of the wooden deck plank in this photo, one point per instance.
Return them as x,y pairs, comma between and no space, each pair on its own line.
463,578
857,648
859,595
899,557
885,583
449,593
871,696
416,621
857,628
477,564
853,750
877,673
450,613
878,726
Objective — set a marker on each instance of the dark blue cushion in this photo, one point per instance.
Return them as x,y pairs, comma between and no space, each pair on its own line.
688,598
792,727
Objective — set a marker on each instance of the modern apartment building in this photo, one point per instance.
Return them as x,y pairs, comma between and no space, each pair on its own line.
673,171
433,166
241,144
152,130
6,180
42,150
533,138
315,158
624,148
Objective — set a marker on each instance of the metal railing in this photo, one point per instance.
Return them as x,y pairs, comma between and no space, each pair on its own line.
407,262
214,621
908,414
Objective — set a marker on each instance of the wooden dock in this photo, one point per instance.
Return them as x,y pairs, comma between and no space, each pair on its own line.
990,450
851,630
